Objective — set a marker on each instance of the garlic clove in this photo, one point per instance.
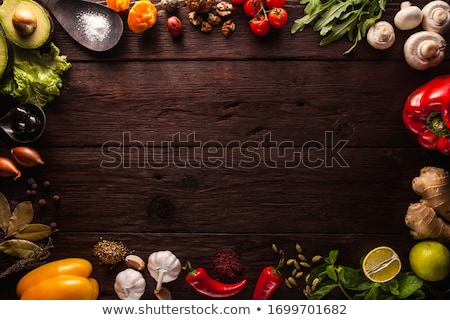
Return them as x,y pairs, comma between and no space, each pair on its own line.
135,262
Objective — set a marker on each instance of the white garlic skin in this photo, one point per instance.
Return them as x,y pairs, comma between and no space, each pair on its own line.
129,284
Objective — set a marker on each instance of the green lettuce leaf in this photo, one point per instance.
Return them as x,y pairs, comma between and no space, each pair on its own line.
36,77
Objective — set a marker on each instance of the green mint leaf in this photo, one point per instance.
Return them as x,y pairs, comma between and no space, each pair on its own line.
331,273
332,257
348,277
408,284
322,291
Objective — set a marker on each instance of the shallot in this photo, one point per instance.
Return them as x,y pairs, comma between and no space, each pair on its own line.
8,169
26,156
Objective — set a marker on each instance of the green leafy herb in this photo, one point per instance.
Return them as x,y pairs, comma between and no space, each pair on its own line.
37,77
354,285
334,19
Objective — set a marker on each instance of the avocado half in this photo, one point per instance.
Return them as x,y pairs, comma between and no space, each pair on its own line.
6,56
44,24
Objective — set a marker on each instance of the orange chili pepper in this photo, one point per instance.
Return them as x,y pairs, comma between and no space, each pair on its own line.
118,5
142,16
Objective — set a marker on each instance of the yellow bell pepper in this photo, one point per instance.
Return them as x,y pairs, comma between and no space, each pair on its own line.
65,279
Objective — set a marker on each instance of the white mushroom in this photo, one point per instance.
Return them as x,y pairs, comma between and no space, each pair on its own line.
381,35
424,49
408,17
436,16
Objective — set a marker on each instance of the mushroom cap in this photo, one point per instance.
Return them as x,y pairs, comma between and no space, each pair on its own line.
424,49
408,17
164,262
381,35
436,16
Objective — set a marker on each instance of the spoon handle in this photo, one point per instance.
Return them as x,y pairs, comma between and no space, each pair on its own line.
49,4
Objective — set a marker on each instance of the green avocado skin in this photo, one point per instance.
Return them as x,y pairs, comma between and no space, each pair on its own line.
6,56
44,30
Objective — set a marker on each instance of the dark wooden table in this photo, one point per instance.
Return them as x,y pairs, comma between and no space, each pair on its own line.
206,142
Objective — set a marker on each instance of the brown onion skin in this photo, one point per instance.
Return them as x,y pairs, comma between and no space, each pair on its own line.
26,156
9,169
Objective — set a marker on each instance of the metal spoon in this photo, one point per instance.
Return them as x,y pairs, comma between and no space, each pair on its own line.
24,123
163,294
91,24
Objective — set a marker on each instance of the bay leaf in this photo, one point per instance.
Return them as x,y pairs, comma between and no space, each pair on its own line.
35,232
19,248
5,213
22,215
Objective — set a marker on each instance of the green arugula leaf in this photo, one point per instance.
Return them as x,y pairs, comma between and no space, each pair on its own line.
334,19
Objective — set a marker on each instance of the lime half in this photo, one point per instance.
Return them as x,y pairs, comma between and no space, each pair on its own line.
381,264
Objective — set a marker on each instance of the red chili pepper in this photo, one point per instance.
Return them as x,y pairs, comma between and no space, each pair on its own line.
269,280
205,285
426,113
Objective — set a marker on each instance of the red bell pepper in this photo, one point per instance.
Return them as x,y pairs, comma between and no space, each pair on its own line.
202,283
426,113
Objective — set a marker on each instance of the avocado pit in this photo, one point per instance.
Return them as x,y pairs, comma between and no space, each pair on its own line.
24,21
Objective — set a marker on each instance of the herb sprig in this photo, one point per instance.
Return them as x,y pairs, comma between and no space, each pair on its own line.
354,285
334,19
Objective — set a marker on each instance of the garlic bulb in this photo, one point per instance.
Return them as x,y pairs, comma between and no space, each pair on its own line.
129,284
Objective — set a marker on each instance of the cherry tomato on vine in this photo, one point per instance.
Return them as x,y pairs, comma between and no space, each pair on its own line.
238,1
260,25
275,3
174,26
251,7
277,17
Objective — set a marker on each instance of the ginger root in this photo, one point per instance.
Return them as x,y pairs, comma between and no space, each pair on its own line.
428,219
433,185
426,224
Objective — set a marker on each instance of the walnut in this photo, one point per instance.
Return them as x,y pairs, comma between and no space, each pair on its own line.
224,9
206,27
228,27
202,6
195,18
213,19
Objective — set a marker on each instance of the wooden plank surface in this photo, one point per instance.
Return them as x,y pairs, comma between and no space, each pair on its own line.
203,142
